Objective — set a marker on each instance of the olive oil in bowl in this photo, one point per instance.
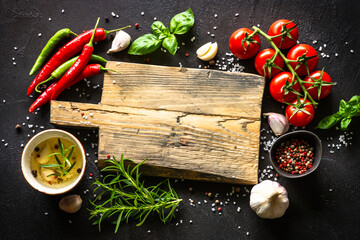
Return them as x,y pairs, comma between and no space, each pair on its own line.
56,162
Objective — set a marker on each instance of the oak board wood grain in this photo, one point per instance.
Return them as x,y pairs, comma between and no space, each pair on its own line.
189,123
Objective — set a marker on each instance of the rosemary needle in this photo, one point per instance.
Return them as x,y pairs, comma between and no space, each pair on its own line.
122,196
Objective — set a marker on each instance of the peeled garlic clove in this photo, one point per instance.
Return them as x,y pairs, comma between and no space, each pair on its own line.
121,41
71,203
45,152
279,124
208,51
48,174
269,199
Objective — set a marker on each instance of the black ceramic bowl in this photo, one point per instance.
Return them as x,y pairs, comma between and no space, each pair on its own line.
311,138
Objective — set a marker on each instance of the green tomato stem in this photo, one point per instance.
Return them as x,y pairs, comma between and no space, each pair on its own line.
286,61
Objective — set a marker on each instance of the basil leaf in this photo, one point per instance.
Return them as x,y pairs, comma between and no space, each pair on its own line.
182,22
171,44
328,122
345,123
145,44
342,105
159,29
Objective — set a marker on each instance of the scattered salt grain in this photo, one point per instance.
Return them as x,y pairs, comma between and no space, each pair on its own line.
215,15
39,34
49,19
142,13
62,11
236,14
352,51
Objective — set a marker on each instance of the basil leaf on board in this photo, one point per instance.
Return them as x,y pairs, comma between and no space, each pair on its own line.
145,44
159,29
328,122
182,22
171,44
345,123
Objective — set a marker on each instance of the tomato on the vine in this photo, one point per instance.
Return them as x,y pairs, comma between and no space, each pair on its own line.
286,27
242,46
305,57
281,84
318,84
300,113
262,61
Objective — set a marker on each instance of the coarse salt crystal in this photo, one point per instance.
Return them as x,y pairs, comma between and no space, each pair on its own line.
62,11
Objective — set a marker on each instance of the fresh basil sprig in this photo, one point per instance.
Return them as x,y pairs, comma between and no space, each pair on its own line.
347,110
148,43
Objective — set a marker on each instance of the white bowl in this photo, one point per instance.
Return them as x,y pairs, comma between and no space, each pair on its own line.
29,148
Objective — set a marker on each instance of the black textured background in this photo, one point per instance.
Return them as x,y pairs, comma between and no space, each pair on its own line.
324,205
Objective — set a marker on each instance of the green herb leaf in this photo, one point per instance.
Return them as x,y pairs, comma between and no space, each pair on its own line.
123,194
171,44
327,122
159,29
347,110
145,44
61,147
345,123
182,22
50,165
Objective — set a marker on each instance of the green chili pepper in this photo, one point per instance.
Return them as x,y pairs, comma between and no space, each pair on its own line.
50,45
62,69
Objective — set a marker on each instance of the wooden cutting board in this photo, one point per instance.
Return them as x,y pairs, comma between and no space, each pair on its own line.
196,124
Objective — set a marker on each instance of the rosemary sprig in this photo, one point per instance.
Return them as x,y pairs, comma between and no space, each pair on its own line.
63,166
128,197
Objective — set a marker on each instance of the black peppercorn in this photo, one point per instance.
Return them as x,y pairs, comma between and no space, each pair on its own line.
79,170
34,173
37,149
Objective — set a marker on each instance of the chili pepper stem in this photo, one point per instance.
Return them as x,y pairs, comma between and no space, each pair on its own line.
45,81
115,30
93,35
287,63
108,69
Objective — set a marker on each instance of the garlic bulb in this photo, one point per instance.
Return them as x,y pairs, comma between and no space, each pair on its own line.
207,51
121,41
269,199
71,203
279,123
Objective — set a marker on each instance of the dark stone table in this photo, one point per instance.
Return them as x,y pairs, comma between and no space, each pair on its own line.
323,205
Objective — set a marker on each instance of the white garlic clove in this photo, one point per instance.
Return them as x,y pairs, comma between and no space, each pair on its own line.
71,203
269,199
121,41
208,51
279,124
48,174
44,153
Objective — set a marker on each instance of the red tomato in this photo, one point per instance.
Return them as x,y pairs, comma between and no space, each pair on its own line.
300,118
236,47
278,28
297,52
313,89
277,90
261,60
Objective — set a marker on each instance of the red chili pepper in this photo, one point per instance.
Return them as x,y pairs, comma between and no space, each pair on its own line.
67,51
76,68
89,70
